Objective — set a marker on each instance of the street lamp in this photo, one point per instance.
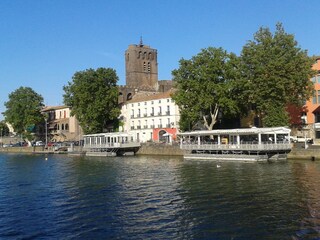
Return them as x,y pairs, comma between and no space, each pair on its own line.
46,132
1,136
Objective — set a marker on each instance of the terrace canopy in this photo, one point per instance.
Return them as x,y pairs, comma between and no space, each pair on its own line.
236,133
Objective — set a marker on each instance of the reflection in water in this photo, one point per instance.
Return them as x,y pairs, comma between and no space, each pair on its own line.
308,178
156,198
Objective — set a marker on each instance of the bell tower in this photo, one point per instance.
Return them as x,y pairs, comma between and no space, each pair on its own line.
141,67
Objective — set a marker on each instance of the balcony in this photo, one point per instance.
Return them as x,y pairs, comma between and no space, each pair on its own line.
167,112
138,115
145,126
168,125
159,113
132,116
132,127
138,127
159,125
151,114
151,126
144,114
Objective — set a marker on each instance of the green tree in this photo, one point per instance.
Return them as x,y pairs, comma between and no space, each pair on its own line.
4,130
276,73
23,110
93,98
205,86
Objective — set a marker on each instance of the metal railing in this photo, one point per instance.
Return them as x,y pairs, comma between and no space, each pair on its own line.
237,147
113,145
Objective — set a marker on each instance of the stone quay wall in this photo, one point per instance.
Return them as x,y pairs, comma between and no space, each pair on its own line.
305,154
312,153
160,149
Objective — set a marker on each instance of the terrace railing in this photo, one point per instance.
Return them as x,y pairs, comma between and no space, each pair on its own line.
237,147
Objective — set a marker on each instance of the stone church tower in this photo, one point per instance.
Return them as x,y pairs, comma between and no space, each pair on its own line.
141,67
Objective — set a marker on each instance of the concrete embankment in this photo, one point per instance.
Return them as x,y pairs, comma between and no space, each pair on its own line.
312,153
160,149
34,150
23,149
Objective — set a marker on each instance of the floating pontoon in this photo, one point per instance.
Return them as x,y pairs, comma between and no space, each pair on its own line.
110,144
247,144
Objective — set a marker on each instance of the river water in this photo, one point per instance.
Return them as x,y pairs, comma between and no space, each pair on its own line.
65,197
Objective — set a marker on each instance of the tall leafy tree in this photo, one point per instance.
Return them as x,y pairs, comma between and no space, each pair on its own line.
205,86
93,98
4,130
23,110
276,73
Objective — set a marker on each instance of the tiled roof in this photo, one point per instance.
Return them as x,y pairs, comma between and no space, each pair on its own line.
147,96
48,108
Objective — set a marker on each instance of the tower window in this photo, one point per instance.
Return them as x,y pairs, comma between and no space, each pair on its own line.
149,67
144,66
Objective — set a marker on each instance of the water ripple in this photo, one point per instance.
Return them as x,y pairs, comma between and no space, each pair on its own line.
156,198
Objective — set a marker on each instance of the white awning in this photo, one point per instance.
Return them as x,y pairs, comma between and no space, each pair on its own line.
238,131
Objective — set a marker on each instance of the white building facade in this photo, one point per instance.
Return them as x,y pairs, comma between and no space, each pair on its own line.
154,117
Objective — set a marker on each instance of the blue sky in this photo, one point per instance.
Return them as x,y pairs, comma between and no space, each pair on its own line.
44,42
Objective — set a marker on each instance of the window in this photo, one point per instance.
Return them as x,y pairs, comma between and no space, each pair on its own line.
314,98
168,110
67,126
168,100
159,101
316,117
318,96
149,67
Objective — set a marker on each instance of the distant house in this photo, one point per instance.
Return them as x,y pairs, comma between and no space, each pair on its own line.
61,126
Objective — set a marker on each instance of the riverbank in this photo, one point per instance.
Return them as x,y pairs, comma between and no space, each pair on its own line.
297,152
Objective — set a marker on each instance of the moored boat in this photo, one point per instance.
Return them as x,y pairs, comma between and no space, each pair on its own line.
246,144
110,144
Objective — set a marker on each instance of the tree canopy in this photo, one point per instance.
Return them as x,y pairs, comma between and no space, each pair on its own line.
4,130
276,72
205,86
93,98
23,110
